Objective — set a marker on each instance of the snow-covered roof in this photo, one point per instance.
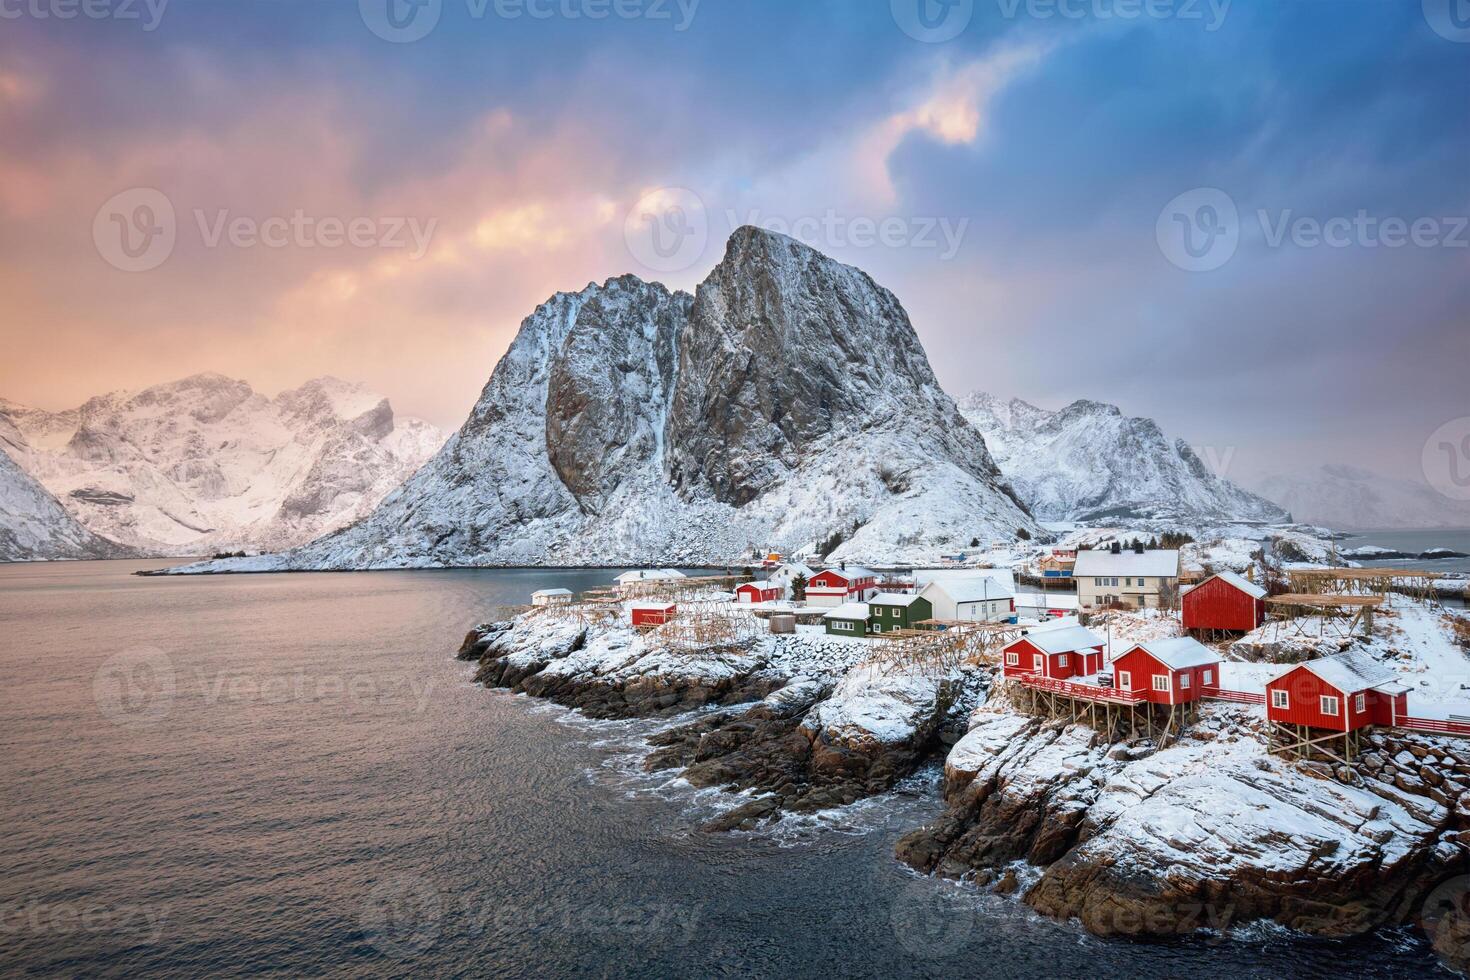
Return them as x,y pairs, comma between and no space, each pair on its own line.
756,583
550,592
848,610
649,574
1151,564
1005,576
1180,652
1351,672
650,605
1063,640
961,591
1243,584
893,599
791,569
852,571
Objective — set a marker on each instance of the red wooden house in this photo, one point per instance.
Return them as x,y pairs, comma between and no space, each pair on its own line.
1172,671
1224,601
759,591
1340,693
837,586
1058,653
650,613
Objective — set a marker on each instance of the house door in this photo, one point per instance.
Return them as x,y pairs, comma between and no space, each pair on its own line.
1038,663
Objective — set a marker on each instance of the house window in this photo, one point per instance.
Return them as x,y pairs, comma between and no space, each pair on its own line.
1161,682
1014,659
1207,678
1062,660
1184,682
1360,703
1280,699
1329,705
1125,680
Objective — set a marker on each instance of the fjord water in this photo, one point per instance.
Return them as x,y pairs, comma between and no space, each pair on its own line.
291,775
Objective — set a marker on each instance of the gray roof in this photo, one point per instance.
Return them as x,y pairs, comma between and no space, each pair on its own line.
893,599
1150,564
1180,652
848,610
1065,639
552,592
1352,672
1240,582
961,591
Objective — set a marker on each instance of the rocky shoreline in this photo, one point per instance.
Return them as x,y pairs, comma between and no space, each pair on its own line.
1211,833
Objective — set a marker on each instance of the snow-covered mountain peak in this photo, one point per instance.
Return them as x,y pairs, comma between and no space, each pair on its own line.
788,400
1089,460
206,462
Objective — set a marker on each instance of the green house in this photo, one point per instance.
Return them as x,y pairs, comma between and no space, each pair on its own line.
889,611
850,619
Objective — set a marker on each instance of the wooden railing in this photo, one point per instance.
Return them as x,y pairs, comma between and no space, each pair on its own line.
1088,691
1435,725
1240,697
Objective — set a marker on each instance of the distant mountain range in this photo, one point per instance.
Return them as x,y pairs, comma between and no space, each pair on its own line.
208,464
1352,498
1089,461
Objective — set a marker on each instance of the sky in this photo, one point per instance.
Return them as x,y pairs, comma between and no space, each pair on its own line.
1244,219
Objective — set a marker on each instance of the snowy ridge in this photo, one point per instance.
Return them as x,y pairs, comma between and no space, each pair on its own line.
1089,461
33,525
208,463
787,400
1353,498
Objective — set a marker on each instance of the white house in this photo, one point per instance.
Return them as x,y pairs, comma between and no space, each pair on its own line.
1137,578
551,597
631,581
979,598
785,574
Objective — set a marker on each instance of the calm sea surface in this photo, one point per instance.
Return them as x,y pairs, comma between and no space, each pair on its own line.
290,775
1416,543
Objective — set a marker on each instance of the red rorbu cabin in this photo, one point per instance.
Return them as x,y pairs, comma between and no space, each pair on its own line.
1058,653
759,591
838,586
1174,671
1224,601
651,613
1340,693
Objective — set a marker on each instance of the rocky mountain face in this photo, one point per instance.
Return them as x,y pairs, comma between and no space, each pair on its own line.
788,400
33,525
1090,461
207,463
1355,498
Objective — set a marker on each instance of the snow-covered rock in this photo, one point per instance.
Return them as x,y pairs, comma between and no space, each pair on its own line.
1352,497
33,525
1210,833
1089,461
788,400
208,464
